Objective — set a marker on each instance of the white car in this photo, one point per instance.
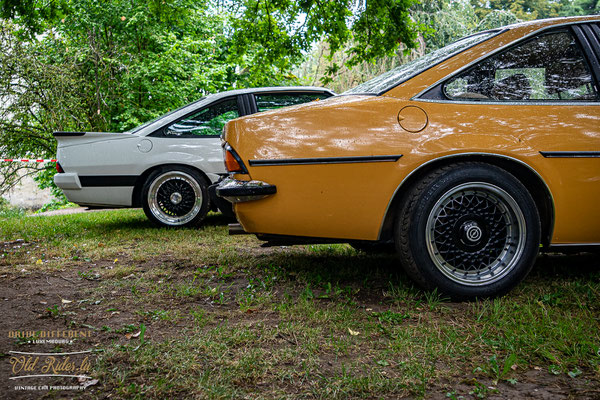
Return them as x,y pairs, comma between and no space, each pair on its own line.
167,165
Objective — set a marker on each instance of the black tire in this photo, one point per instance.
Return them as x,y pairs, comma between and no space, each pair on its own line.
471,230
175,197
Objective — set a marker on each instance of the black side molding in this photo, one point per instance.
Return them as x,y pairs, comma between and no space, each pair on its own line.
63,133
570,154
325,160
107,180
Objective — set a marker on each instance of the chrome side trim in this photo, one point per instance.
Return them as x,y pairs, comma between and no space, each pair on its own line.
450,156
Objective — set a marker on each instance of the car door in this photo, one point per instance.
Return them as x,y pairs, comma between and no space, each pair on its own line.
537,101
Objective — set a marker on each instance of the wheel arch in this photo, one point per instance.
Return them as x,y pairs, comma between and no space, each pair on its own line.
526,174
136,197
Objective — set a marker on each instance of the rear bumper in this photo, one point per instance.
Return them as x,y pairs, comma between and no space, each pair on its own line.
102,194
236,191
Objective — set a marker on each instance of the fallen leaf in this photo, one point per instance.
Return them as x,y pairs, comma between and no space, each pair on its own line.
87,383
353,333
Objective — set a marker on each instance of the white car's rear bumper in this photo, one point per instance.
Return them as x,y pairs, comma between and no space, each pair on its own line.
104,196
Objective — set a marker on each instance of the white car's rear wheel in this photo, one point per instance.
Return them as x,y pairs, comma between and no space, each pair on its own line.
175,196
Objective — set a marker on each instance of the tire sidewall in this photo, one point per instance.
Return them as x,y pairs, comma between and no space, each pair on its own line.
424,205
202,182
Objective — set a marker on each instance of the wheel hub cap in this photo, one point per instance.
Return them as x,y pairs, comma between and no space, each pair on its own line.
472,232
176,198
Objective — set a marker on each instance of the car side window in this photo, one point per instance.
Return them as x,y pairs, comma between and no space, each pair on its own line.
271,101
550,66
206,122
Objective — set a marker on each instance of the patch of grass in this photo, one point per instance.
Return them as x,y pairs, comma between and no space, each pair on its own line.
225,318
118,271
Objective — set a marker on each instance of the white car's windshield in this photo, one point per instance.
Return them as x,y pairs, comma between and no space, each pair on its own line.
394,77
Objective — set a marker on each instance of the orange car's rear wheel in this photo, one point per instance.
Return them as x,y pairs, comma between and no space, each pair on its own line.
470,230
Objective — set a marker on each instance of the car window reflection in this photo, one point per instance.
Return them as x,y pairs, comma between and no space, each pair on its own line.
548,67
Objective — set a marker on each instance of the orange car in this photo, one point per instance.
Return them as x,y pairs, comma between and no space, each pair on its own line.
468,159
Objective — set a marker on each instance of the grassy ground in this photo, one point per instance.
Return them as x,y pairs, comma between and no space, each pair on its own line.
195,313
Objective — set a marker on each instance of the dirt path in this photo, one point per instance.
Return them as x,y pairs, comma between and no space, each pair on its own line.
67,211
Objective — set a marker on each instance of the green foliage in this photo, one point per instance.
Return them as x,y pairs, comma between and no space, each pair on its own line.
536,9
31,15
440,23
282,31
6,211
140,59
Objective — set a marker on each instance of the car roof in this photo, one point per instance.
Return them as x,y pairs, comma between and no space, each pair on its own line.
272,89
237,92
542,23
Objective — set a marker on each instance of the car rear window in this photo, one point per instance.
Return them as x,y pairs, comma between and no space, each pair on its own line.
394,77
